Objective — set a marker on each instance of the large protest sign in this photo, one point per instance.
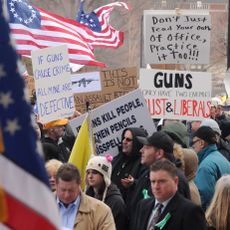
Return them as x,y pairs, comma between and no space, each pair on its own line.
176,38
52,83
101,87
110,119
176,94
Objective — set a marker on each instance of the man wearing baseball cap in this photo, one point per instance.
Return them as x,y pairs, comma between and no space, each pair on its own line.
158,146
53,145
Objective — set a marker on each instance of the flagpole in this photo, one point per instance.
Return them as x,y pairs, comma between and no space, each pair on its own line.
90,128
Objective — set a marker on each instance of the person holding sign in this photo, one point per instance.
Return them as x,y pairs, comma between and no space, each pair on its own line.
168,210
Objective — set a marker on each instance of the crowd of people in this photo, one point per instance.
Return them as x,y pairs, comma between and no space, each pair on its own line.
177,178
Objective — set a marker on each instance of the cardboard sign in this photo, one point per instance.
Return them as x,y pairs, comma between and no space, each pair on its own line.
111,83
52,83
110,119
171,38
176,94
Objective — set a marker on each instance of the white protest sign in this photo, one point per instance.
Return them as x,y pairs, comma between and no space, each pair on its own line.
110,119
171,38
176,94
86,82
53,83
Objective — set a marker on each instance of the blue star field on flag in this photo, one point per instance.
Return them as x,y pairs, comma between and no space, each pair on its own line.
90,20
23,13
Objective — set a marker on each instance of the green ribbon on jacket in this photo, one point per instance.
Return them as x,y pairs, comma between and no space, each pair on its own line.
145,194
163,222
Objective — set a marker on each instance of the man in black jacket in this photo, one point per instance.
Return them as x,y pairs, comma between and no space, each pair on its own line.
156,147
176,212
56,144
127,165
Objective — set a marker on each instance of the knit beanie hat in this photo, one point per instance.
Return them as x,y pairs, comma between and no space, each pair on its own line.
103,165
178,132
212,124
207,134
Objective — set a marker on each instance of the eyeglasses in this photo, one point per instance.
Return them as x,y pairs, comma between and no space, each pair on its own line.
194,142
127,139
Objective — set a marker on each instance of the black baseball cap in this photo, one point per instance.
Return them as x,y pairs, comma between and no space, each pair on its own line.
160,140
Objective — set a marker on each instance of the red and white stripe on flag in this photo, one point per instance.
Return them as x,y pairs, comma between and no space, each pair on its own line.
30,204
54,31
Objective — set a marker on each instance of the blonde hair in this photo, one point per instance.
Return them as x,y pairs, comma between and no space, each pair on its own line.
218,213
178,154
52,166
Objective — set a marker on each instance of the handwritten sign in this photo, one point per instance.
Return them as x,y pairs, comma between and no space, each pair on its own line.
111,83
171,38
176,94
52,83
110,119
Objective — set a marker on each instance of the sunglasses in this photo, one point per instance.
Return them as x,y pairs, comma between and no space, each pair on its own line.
194,142
127,139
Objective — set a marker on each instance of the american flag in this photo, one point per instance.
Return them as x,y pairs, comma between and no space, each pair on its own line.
29,200
34,28
98,21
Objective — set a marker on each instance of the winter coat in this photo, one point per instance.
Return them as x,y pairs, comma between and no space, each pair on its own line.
191,165
142,190
93,215
224,148
124,165
212,165
115,201
54,150
183,215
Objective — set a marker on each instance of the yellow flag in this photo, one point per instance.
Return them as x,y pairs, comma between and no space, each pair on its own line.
82,149
3,207
1,142
223,98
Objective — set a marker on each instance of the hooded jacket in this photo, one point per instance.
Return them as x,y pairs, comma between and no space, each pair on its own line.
124,165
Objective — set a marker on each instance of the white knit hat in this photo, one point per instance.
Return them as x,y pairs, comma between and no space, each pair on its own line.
103,165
